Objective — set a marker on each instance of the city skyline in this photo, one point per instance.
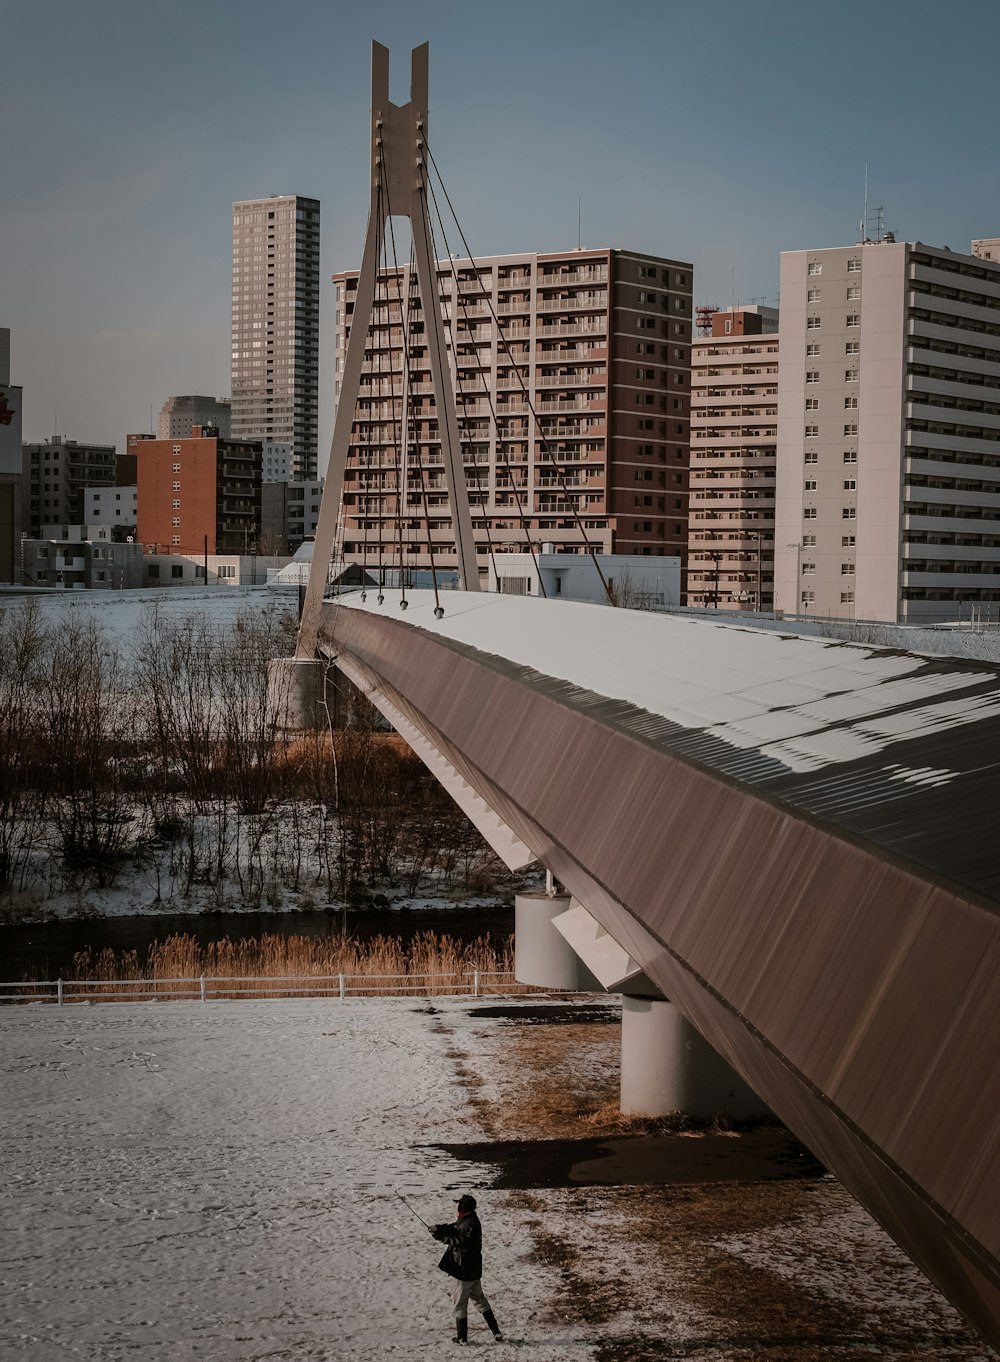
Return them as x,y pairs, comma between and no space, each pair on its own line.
724,136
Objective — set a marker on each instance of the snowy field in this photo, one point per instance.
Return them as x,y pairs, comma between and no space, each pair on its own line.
186,1181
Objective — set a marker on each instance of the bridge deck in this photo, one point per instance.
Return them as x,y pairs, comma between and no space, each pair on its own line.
794,837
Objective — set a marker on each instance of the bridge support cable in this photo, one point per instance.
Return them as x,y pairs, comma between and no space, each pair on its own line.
525,520
543,441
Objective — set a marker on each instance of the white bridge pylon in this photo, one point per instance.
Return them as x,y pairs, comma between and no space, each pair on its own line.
398,189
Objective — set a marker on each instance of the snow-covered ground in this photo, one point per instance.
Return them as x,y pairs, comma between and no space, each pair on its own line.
186,1181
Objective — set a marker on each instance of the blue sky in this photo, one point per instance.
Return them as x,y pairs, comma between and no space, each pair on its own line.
720,133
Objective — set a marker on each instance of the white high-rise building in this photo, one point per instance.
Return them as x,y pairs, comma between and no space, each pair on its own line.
888,482
275,325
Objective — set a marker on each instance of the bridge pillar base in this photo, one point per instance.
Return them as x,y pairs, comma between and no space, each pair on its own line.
297,693
668,1066
542,955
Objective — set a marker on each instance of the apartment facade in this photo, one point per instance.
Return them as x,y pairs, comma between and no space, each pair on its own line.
199,495
888,501
275,325
56,474
72,560
734,435
180,415
114,507
572,376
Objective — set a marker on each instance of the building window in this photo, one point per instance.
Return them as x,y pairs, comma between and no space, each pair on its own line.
808,569
812,404
850,484
851,429
812,351
175,539
176,570
847,598
810,484
227,570
812,456
850,404
851,375
852,348
815,267
812,375
850,456
176,449
176,521
808,597
153,570
176,468
849,513
854,294
847,541
812,323
175,487
176,504
854,319
814,295
812,432
808,541
809,513
847,569
854,266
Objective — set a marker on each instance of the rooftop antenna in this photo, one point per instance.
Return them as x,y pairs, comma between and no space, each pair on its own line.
579,220
732,286
864,220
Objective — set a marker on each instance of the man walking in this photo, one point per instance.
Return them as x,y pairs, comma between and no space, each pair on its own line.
463,1260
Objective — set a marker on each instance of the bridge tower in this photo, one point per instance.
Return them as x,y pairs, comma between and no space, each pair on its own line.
398,189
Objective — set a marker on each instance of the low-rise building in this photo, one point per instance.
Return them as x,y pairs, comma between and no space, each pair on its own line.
110,507
634,581
74,562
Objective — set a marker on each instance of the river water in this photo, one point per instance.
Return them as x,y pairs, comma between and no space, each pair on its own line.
45,950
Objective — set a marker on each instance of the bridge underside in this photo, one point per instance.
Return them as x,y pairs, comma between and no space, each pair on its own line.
810,876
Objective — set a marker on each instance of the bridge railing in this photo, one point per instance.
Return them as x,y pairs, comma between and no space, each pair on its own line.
473,983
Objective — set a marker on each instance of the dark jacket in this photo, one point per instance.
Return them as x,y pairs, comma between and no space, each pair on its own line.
463,1257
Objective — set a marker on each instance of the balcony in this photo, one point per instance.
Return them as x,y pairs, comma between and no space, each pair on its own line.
573,302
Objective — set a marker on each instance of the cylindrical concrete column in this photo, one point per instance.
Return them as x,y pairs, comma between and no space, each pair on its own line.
668,1066
542,956
296,693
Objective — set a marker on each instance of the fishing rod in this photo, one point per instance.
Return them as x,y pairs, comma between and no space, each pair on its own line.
411,1210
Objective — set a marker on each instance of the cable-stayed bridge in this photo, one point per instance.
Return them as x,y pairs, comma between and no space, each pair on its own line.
791,841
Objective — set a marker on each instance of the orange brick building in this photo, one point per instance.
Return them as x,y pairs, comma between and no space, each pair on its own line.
200,494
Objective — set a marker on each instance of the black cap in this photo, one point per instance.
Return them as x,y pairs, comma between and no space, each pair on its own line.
466,1203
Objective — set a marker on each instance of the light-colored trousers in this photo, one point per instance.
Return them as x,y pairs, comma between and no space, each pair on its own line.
463,1292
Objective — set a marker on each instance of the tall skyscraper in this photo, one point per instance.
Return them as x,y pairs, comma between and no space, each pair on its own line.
573,386
888,486
275,325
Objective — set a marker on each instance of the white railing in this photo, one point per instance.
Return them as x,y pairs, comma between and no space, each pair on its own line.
474,983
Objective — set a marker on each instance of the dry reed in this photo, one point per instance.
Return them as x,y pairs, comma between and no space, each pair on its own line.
428,965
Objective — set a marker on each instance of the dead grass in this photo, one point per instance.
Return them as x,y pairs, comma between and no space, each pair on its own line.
384,965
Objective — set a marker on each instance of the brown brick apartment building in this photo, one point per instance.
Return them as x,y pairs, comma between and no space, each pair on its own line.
578,362
198,489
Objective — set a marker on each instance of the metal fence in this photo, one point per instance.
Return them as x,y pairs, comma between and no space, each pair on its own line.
474,983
